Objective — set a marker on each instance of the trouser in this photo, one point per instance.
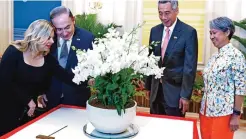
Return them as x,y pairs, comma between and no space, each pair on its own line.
160,107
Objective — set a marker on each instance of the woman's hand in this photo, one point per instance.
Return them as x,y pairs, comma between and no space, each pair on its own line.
32,107
234,123
42,100
91,82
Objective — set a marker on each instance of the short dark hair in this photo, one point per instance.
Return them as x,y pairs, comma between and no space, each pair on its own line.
60,10
223,24
174,3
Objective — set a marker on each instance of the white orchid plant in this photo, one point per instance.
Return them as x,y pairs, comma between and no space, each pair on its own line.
114,62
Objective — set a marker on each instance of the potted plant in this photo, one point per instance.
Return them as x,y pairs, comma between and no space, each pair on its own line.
115,61
142,97
89,22
197,93
241,24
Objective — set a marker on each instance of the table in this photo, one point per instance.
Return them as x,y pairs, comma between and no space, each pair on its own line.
150,126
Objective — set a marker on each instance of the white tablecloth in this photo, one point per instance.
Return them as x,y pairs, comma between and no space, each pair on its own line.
149,127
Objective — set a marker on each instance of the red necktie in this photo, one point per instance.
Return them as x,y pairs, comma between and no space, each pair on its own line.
165,43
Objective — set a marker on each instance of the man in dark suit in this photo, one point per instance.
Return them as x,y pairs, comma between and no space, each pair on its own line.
68,35
178,51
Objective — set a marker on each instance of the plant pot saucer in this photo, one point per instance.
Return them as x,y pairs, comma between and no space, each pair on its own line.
91,132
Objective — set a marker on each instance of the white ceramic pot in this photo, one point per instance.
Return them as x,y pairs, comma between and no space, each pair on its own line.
108,120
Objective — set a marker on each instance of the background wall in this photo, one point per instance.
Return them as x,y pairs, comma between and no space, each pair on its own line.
26,12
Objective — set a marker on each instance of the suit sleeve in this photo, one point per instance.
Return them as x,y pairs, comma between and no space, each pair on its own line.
190,65
58,72
91,41
149,78
8,69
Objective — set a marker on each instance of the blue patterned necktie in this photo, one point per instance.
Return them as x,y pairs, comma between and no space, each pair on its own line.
64,54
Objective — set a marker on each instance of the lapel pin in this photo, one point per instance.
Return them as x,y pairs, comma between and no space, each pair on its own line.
78,39
175,37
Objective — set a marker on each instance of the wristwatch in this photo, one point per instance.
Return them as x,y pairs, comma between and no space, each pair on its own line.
236,112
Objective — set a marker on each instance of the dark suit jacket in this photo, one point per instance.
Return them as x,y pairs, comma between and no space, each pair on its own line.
180,61
82,39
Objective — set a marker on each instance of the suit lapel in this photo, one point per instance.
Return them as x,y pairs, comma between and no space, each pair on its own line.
72,54
159,34
173,39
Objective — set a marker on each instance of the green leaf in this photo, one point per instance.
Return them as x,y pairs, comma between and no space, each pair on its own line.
115,78
118,107
105,97
130,88
241,40
92,97
116,99
243,26
243,21
100,97
112,86
124,98
89,22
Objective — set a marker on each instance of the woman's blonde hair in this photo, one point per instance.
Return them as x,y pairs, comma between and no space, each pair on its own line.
37,33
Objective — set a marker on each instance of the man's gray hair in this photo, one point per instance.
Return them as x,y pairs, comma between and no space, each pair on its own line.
223,24
174,3
60,10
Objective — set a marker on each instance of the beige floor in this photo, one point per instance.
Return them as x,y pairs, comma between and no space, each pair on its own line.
240,134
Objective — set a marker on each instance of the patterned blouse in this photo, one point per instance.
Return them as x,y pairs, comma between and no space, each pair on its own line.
224,76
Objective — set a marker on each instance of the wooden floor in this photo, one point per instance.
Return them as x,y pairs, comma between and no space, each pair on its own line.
240,134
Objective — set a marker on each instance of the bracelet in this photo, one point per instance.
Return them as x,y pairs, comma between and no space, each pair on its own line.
236,112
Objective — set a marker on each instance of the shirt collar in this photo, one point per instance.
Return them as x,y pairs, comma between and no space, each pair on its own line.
225,48
61,41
